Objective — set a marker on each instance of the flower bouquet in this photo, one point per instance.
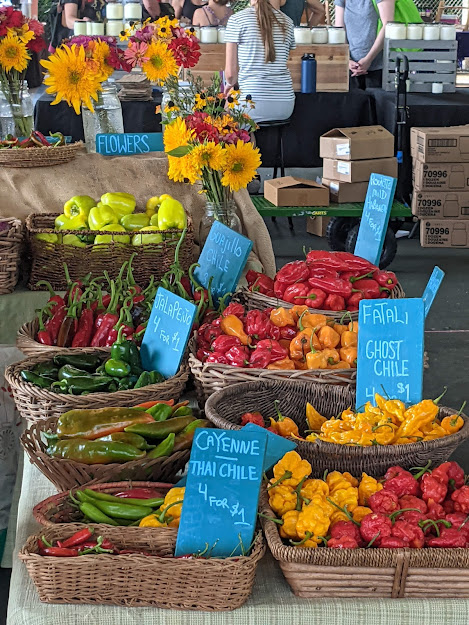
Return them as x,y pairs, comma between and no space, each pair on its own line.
19,36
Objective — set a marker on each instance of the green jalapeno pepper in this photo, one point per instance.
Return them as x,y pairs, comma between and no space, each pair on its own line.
69,371
143,380
47,369
160,429
151,503
38,380
80,384
117,368
95,515
122,510
88,362
165,448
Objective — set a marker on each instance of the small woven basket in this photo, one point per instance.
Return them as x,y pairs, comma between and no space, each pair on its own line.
379,573
261,302
224,409
152,259
11,240
58,509
66,474
210,377
40,156
35,404
135,580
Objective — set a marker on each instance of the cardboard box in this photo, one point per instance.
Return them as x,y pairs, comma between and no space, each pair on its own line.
358,171
317,225
440,176
341,192
452,233
440,205
440,145
354,144
292,191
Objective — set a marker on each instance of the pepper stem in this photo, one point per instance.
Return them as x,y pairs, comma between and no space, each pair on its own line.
421,470
161,518
47,285
373,540
454,420
269,518
300,321
286,476
277,409
305,539
343,510
346,314
436,401
393,515
299,498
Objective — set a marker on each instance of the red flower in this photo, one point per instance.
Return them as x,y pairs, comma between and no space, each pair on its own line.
36,27
234,137
186,51
36,45
10,18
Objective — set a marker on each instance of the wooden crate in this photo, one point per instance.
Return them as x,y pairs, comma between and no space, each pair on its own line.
332,60
429,62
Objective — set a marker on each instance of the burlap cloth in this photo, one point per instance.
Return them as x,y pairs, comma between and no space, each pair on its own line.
45,189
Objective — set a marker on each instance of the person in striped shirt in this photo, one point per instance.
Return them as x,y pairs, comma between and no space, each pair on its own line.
258,43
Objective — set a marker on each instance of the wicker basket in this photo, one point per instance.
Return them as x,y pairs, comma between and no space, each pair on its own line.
66,474
225,408
10,253
153,259
135,580
40,156
378,573
26,342
261,302
36,403
58,509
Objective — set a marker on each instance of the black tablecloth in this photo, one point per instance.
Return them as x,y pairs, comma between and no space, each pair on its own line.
313,116
138,117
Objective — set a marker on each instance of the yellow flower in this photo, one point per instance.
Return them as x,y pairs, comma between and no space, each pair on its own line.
161,63
71,77
99,53
182,169
22,32
200,102
125,34
209,155
13,54
176,134
163,27
242,161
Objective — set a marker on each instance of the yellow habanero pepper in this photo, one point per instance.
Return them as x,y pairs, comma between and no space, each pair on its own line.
282,365
332,357
282,317
368,486
339,328
453,423
340,365
284,426
420,414
282,499
345,497
291,469
313,437
310,320
437,431
174,498
352,480
338,516
349,354
233,326
349,339
312,523
328,337
360,512
316,360
152,520
297,311
313,418
335,480
310,488
288,528
300,346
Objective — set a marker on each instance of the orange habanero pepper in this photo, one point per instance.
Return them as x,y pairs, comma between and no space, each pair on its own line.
284,426
301,344
281,365
349,339
349,354
310,320
232,326
328,337
282,317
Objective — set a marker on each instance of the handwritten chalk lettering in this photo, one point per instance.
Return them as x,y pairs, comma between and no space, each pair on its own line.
174,310
164,336
218,259
227,245
383,182
235,510
383,314
128,143
222,442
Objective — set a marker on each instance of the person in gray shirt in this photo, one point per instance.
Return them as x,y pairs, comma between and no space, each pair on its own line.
360,19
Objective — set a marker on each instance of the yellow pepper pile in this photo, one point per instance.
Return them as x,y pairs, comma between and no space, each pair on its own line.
307,508
169,513
389,423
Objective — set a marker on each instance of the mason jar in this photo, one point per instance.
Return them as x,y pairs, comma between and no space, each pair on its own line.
107,117
7,123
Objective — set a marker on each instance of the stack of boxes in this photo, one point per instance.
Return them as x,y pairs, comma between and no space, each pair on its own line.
351,155
441,185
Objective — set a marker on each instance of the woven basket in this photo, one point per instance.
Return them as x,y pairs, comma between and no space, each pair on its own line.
225,408
153,259
10,254
35,404
40,156
26,342
384,573
58,509
261,302
135,580
66,474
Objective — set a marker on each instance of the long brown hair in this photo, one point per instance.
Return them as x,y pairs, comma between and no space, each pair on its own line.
266,19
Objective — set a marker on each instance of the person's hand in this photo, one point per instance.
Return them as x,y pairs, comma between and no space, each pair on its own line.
86,19
353,65
362,68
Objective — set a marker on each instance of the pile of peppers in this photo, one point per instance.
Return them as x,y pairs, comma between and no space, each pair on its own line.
277,339
35,140
387,423
325,281
118,435
401,510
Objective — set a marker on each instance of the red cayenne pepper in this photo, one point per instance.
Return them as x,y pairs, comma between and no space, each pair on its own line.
82,337
67,329
107,320
43,335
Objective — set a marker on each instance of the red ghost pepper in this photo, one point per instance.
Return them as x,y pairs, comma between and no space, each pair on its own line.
432,488
344,542
459,521
449,538
223,343
435,510
393,542
385,278
375,526
413,517
236,309
412,534
253,417
410,501
400,482
346,528
461,499
383,501
296,293
450,473
218,358
258,325
334,302
238,356
278,352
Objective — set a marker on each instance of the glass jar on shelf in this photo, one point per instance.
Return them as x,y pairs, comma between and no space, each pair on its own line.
336,35
114,10
208,34
133,11
303,35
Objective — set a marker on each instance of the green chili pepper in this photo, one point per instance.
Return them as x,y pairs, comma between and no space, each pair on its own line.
95,515
38,380
160,429
165,448
127,437
186,436
120,349
126,383
47,369
90,383
143,380
122,510
117,368
160,412
94,452
69,371
156,377
182,411
152,503
88,362
134,359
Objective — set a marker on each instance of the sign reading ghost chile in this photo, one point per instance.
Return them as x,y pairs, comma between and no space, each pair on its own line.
223,258
390,350
222,492
167,333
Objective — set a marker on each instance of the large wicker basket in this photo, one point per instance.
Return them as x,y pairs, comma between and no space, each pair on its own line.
58,509
36,403
225,408
11,240
211,377
66,474
135,580
153,259
26,341
40,156
378,573
261,302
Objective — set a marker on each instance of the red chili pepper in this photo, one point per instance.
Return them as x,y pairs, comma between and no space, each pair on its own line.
448,506
279,288
59,552
82,337
40,138
199,293
223,343
412,534
346,528
333,286
296,271
355,262
236,309
412,516
296,293
139,493
316,298
344,542
209,332
435,510
202,354
450,471
448,538
278,352
354,299
260,358
253,417
67,329
458,521
432,488
334,302
53,298
43,335
219,358
375,527
251,276
410,501
393,542
400,482
354,276
385,278
384,501
461,499
329,260
108,320
258,325
288,332
264,285
321,271
54,324
187,286
237,356
79,537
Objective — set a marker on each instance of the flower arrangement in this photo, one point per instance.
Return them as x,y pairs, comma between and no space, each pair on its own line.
19,36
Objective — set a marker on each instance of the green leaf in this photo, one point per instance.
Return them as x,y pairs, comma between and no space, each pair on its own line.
182,150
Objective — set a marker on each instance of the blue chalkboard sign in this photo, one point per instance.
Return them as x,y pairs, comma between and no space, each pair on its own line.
222,492
375,217
390,350
167,333
432,288
129,143
223,257
277,446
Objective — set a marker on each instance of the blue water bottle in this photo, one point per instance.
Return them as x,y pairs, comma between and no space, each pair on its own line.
308,73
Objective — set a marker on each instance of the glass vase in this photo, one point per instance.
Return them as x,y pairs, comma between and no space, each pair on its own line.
107,117
224,212
22,108
7,123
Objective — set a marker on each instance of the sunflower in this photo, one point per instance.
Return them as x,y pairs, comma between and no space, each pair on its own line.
200,101
99,54
71,77
13,54
176,135
209,155
242,161
182,169
161,63
24,33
